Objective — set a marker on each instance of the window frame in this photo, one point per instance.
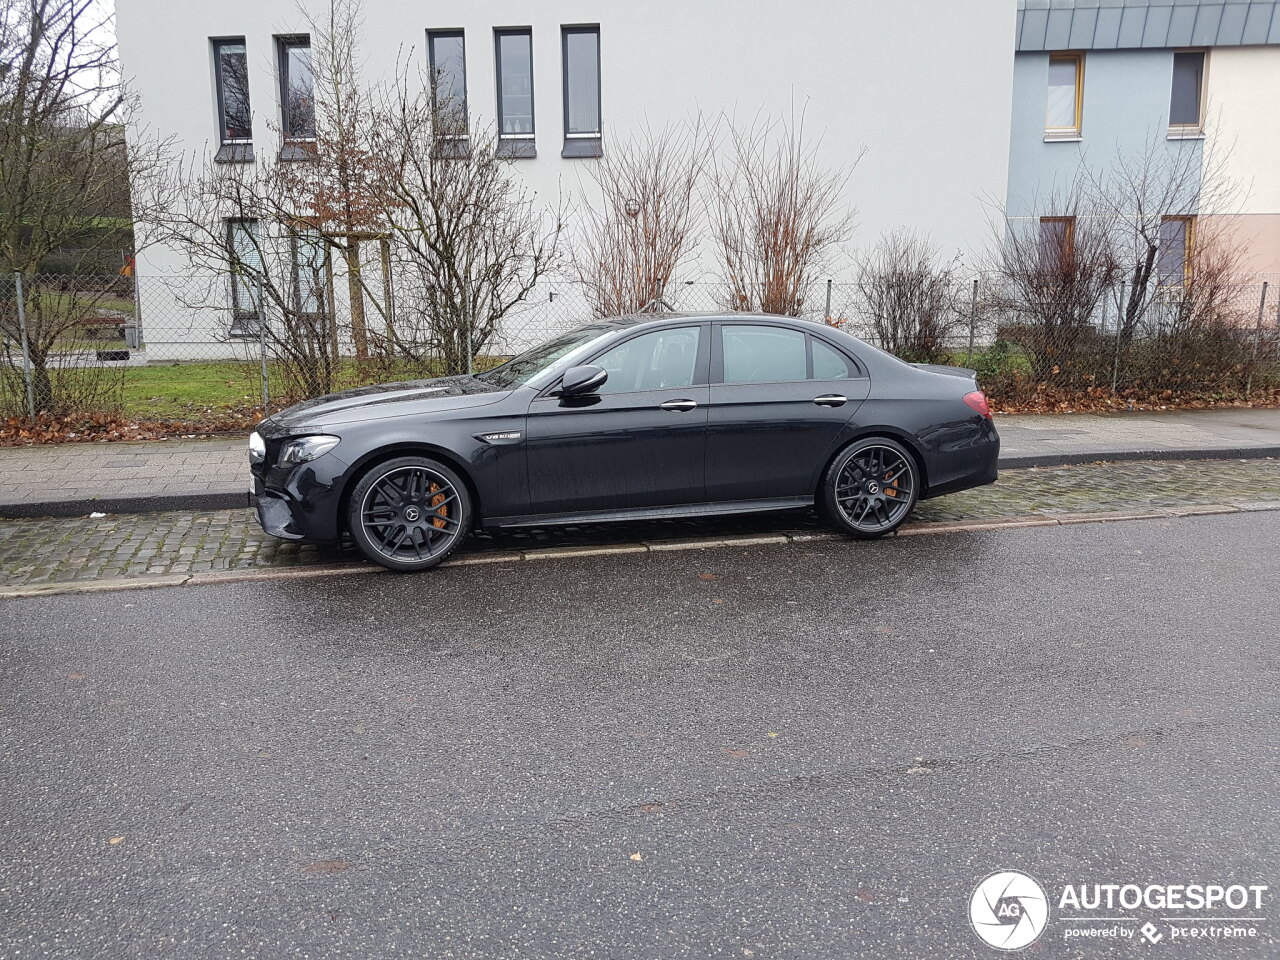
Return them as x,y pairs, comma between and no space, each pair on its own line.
498,34
1188,247
1190,131
567,30
215,45
450,33
1073,132
717,354
284,42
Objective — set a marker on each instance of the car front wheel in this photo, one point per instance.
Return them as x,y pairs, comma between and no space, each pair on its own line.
870,488
409,514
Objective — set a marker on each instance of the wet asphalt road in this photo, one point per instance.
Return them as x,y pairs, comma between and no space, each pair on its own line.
792,751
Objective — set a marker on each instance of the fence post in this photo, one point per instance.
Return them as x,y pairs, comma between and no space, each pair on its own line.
973,320
828,314
1257,338
262,348
470,359
26,346
1115,364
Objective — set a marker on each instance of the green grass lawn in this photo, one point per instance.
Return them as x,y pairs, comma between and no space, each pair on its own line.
190,390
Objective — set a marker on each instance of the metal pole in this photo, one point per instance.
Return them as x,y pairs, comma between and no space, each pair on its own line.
828,314
1257,337
262,348
1115,365
470,359
973,320
26,345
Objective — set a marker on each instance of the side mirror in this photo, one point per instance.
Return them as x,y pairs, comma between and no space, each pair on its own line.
579,381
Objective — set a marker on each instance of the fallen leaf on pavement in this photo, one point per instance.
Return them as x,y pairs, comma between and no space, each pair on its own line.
114,840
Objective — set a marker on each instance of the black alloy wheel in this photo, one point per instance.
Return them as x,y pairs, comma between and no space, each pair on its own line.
409,514
870,488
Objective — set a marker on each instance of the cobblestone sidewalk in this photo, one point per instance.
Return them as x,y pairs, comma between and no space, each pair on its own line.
56,551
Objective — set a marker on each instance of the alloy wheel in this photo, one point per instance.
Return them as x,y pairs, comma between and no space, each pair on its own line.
875,489
411,514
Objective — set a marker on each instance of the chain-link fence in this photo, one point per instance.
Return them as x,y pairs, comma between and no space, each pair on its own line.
188,350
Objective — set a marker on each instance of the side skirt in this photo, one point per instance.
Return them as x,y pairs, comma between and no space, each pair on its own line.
652,513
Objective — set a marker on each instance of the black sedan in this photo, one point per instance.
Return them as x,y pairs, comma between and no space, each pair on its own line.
627,419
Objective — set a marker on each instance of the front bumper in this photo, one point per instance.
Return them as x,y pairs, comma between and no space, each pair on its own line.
302,502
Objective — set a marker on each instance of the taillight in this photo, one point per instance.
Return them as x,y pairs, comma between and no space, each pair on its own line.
978,400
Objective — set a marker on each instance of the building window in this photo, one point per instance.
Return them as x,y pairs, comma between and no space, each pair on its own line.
513,54
297,88
1057,241
245,258
1066,96
448,55
310,274
1177,240
581,57
1186,99
231,75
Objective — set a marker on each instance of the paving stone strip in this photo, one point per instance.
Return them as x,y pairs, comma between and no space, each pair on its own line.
182,544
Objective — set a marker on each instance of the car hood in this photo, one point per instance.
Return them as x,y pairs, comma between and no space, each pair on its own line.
383,400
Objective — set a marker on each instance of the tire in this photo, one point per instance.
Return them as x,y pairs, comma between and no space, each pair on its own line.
409,514
870,488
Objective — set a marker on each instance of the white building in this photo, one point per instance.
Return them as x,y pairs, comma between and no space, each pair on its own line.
922,87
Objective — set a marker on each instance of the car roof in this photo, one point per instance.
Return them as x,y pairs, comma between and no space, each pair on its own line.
636,319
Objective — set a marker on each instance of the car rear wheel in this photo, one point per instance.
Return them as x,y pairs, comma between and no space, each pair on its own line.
409,514
870,488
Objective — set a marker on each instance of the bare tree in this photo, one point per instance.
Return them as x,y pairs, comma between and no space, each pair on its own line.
639,216
1140,194
269,238
468,241
776,215
1055,273
63,158
910,295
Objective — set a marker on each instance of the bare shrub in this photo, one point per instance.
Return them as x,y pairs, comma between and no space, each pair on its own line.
777,214
638,221
910,296
468,242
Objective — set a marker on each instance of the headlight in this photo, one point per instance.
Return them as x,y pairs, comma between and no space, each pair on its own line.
257,448
306,448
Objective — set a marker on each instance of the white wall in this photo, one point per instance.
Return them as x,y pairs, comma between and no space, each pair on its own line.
923,86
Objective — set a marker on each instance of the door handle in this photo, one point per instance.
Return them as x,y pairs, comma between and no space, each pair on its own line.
681,405
831,400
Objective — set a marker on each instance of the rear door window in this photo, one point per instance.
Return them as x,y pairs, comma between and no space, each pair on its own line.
759,354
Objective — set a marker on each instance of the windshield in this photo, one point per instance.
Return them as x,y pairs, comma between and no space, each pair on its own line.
522,369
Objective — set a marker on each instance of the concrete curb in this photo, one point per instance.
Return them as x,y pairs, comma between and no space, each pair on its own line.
162,503
1117,456
235,500
616,549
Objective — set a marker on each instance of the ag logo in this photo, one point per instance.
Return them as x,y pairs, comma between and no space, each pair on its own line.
1009,910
